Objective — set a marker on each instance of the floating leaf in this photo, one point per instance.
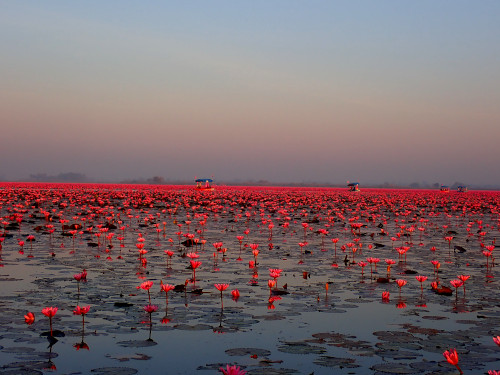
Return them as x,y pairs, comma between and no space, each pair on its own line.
327,361
114,371
248,351
300,348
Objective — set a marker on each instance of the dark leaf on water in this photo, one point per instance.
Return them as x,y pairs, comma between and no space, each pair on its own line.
248,352
114,371
136,343
327,361
300,348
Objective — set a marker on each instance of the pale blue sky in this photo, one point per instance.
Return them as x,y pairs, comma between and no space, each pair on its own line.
287,91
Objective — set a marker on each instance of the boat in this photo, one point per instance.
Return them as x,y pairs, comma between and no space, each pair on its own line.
204,184
353,186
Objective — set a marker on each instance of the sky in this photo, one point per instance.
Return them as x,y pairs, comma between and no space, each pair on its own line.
285,91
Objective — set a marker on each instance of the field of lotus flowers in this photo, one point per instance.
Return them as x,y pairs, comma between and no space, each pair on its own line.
134,279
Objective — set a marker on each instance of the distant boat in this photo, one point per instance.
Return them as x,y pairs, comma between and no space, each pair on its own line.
462,189
444,189
353,186
204,184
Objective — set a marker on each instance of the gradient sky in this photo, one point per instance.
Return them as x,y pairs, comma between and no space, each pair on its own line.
288,91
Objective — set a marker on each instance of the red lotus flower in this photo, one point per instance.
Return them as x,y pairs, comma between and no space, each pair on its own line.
385,296
221,287
497,340
271,284
49,311
146,285
401,282
81,310
166,287
452,358
421,279
29,318
236,294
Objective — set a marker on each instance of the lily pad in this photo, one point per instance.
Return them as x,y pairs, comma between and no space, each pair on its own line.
21,371
272,371
300,348
248,352
327,361
137,343
394,368
114,371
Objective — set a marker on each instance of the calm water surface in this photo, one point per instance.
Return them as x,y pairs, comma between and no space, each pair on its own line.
347,329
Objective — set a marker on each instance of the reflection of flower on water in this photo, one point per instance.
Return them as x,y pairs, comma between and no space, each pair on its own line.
81,311
460,305
270,304
50,365
81,345
150,309
220,328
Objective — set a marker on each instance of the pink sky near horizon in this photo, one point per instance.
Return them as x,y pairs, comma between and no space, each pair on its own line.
286,93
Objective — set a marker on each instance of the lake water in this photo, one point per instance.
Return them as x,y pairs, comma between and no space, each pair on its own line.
300,329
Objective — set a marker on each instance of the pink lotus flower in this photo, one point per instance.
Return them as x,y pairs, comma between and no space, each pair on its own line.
150,308
232,370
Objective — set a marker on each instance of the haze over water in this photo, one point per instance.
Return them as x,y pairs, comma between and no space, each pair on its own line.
321,91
